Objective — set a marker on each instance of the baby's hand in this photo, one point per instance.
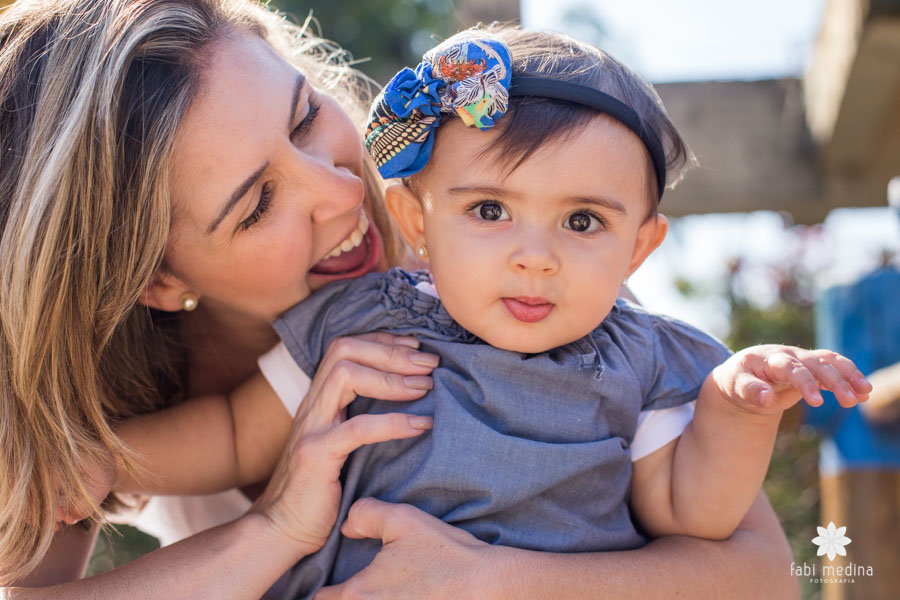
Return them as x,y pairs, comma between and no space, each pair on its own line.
770,379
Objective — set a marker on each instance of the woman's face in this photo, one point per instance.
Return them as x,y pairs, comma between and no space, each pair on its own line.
267,184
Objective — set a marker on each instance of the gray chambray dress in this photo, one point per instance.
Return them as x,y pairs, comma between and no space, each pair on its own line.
527,450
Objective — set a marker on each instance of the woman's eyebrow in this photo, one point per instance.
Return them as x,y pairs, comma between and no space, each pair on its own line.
239,192
235,197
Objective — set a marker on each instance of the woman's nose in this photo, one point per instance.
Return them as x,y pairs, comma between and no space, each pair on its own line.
330,189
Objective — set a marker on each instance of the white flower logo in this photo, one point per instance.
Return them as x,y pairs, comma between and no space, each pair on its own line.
831,541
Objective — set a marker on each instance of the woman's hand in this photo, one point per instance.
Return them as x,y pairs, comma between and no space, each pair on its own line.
303,495
377,365
422,557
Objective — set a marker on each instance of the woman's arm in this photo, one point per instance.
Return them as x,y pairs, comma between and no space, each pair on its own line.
243,558
424,557
213,443
237,560
67,559
290,520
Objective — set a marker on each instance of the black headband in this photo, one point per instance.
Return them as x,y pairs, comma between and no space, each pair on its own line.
559,89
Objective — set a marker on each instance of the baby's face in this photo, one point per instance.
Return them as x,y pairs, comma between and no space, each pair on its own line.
535,260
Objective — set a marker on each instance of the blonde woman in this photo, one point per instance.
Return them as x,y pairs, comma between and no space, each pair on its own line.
175,174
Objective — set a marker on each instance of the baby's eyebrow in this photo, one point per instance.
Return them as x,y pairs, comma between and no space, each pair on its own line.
603,201
484,190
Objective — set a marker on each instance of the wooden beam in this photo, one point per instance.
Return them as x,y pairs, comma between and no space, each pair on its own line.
753,145
472,12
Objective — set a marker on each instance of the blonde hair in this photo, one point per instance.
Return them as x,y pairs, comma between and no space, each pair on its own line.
92,93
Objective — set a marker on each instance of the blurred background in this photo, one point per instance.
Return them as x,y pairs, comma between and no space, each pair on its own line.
793,109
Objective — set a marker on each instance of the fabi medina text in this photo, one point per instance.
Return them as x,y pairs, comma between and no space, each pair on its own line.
832,573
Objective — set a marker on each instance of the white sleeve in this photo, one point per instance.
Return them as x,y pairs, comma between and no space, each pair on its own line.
656,428
286,378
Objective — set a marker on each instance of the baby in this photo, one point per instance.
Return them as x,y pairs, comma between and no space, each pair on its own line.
529,222
532,168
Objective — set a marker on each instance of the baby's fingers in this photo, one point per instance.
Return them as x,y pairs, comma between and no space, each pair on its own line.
850,373
787,368
753,390
838,374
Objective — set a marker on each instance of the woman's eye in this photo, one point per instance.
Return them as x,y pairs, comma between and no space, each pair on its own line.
583,222
265,200
491,211
307,122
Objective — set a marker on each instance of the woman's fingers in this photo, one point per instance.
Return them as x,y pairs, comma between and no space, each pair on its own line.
371,518
421,557
301,500
377,365
382,351
347,380
341,440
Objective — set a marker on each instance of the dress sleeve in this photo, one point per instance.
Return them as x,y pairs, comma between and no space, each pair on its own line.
656,428
347,307
286,378
682,358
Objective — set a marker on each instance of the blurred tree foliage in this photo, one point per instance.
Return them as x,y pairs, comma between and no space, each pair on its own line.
387,34
119,545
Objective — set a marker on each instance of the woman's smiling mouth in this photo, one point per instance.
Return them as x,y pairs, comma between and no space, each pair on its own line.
354,256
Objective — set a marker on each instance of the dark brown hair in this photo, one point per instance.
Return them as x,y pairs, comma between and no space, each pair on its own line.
532,122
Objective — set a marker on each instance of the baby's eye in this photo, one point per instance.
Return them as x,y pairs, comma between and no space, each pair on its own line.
583,222
490,211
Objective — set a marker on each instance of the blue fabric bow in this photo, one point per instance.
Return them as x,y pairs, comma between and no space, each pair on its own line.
469,79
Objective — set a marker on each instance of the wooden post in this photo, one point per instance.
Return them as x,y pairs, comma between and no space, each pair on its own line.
861,465
867,503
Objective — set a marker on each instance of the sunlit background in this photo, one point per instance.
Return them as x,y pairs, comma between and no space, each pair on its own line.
792,108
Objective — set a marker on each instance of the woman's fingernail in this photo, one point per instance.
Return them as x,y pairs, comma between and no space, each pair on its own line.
423,359
418,382
419,422
409,342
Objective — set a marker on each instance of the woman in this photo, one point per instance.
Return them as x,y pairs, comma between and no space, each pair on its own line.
163,154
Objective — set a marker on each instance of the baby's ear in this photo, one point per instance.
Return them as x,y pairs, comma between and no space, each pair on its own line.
406,210
650,235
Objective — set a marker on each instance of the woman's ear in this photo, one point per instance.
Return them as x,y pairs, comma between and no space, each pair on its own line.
650,235
406,210
165,292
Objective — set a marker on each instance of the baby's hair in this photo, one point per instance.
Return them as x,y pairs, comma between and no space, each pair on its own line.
531,122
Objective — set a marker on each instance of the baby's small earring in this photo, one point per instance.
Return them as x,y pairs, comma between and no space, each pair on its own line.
189,301
422,251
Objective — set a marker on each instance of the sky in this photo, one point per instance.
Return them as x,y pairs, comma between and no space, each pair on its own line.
687,40
691,39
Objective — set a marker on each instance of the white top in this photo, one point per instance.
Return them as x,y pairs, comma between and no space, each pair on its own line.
173,518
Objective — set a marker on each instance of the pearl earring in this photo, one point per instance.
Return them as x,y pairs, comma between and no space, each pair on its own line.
422,251
189,301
